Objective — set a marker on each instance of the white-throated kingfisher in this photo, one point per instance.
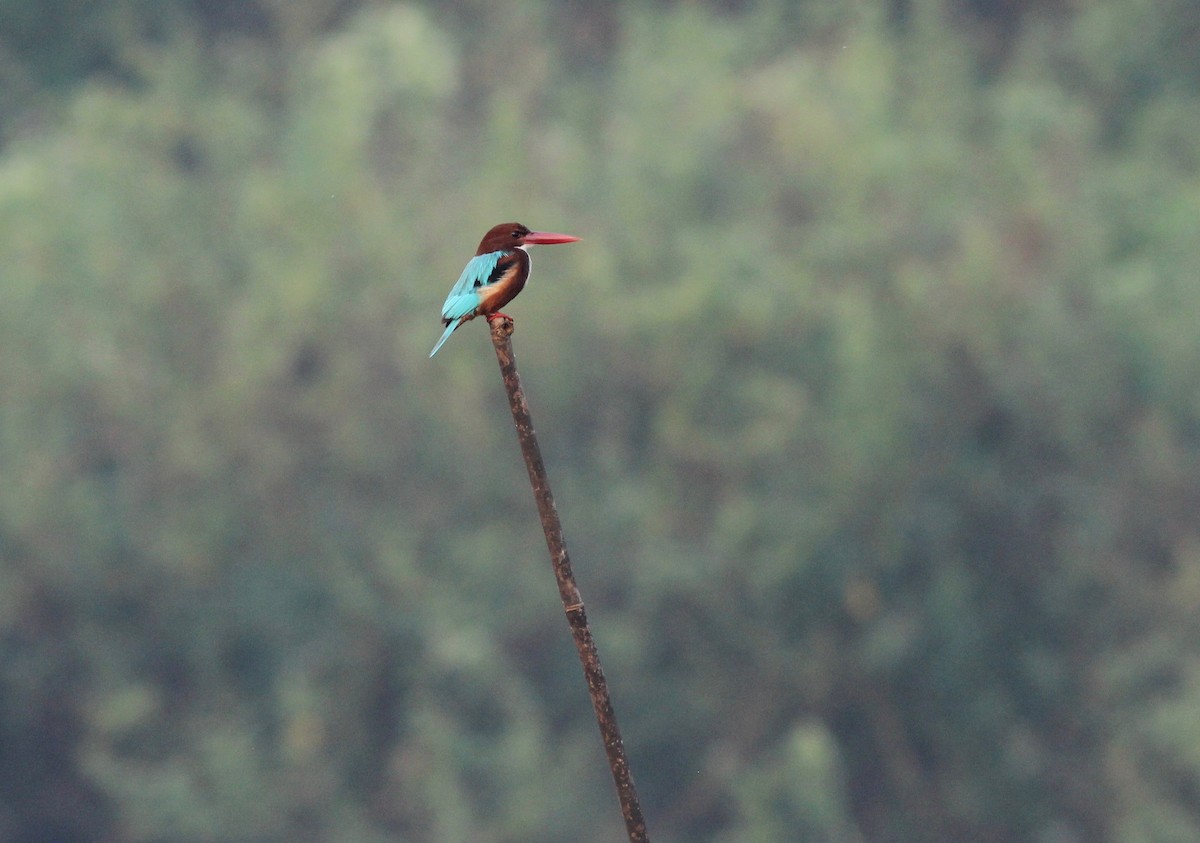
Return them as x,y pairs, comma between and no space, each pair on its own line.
494,276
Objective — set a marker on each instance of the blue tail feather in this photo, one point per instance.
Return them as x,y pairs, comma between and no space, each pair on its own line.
445,336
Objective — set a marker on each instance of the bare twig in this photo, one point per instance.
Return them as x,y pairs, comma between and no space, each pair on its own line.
631,809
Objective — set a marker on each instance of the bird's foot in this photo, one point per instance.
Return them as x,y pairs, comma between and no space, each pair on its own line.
498,315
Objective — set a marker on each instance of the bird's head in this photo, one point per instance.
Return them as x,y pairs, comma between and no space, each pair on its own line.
510,235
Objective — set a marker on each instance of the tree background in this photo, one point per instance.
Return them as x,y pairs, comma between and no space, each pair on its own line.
871,400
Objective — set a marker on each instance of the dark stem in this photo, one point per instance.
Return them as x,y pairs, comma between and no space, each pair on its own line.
572,603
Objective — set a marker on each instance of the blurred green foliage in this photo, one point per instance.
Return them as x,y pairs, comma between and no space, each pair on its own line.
871,400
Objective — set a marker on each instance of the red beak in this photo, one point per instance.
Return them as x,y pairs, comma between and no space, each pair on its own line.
548,237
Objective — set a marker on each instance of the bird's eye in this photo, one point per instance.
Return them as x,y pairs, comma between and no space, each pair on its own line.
516,233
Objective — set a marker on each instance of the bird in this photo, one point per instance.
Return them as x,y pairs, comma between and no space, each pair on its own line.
494,276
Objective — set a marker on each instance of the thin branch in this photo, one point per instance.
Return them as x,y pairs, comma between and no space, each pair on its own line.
631,809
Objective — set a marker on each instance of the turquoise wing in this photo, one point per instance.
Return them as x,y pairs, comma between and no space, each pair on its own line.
460,305
463,298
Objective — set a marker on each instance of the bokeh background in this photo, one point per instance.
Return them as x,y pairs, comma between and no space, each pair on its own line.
871,401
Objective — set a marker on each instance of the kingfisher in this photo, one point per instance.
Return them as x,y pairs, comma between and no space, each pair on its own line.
494,276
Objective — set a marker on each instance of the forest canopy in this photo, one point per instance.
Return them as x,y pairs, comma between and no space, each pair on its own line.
871,400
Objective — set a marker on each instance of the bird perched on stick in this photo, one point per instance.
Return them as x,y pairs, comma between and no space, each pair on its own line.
494,276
